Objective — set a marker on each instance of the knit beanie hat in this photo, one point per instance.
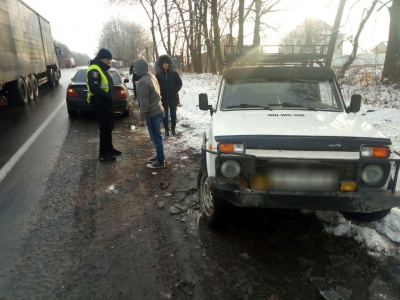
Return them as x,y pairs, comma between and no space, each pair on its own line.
104,53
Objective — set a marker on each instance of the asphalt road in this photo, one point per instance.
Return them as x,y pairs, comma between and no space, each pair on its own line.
31,139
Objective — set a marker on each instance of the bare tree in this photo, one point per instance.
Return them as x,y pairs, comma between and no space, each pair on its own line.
150,9
257,23
207,37
352,56
310,32
166,7
335,31
241,22
126,40
308,29
217,35
262,7
188,26
391,67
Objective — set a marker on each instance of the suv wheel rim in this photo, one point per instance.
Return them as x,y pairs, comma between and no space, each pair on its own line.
206,197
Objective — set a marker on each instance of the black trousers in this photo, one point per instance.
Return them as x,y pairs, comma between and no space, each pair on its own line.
134,91
105,117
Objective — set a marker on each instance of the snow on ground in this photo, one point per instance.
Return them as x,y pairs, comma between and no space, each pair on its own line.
379,238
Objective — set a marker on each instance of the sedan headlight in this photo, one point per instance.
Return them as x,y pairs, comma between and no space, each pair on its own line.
372,174
230,168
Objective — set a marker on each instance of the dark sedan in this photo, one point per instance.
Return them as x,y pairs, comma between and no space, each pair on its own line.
77,93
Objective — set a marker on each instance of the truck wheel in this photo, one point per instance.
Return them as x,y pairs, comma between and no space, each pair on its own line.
56,78
29,88
365,217
21,90
35,86
212,208
51,78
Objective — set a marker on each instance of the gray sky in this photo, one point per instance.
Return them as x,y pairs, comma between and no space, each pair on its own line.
77,23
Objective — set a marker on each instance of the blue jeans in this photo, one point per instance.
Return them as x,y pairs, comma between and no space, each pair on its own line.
153,125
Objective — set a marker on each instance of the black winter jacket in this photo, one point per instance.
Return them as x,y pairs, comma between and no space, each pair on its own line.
132,72
101,97
170,82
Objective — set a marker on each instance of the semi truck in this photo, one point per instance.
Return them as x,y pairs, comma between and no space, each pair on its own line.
28,55
69,62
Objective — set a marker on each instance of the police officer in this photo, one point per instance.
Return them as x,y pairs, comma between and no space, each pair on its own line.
101,96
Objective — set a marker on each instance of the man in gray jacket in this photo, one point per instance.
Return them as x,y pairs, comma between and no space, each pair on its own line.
151,110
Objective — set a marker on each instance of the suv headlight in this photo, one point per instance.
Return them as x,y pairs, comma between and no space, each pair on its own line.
230,168
231,148
375,151
372,174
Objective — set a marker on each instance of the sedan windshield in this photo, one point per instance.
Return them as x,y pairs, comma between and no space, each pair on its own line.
294,94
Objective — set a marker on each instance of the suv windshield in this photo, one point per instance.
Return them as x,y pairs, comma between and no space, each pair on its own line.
80,76
293,94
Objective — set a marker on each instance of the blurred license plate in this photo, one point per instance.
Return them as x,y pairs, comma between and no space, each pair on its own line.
304,180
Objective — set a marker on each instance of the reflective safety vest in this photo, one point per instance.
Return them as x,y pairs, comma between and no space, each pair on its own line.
104,81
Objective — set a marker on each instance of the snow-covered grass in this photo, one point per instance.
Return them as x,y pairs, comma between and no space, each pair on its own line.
379,108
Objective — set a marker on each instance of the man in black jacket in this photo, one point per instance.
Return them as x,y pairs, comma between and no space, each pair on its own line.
101,96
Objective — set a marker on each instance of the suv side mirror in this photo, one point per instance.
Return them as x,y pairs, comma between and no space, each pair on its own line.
355,103
203,102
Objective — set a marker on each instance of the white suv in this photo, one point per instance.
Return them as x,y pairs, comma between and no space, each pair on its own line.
281,136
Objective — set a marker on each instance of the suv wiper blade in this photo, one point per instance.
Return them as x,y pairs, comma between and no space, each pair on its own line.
286,104
244,105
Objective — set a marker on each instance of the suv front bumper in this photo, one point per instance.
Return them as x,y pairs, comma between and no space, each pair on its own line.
364,201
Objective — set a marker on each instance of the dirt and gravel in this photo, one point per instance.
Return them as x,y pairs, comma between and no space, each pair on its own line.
122,231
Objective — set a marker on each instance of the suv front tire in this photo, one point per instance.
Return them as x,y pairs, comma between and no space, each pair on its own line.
213,209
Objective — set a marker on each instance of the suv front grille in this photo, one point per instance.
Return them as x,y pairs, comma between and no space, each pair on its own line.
301,170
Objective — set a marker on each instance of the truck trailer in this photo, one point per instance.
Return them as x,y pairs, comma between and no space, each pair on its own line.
69,62
28,56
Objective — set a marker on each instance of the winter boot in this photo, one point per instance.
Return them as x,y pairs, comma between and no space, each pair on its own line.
107,157
173,125
166,127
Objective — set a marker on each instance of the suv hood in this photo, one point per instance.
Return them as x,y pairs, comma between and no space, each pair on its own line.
293,123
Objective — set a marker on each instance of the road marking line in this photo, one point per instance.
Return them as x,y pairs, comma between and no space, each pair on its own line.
21,151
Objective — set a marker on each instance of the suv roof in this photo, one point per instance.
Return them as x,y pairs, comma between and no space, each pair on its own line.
275,55
276,72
